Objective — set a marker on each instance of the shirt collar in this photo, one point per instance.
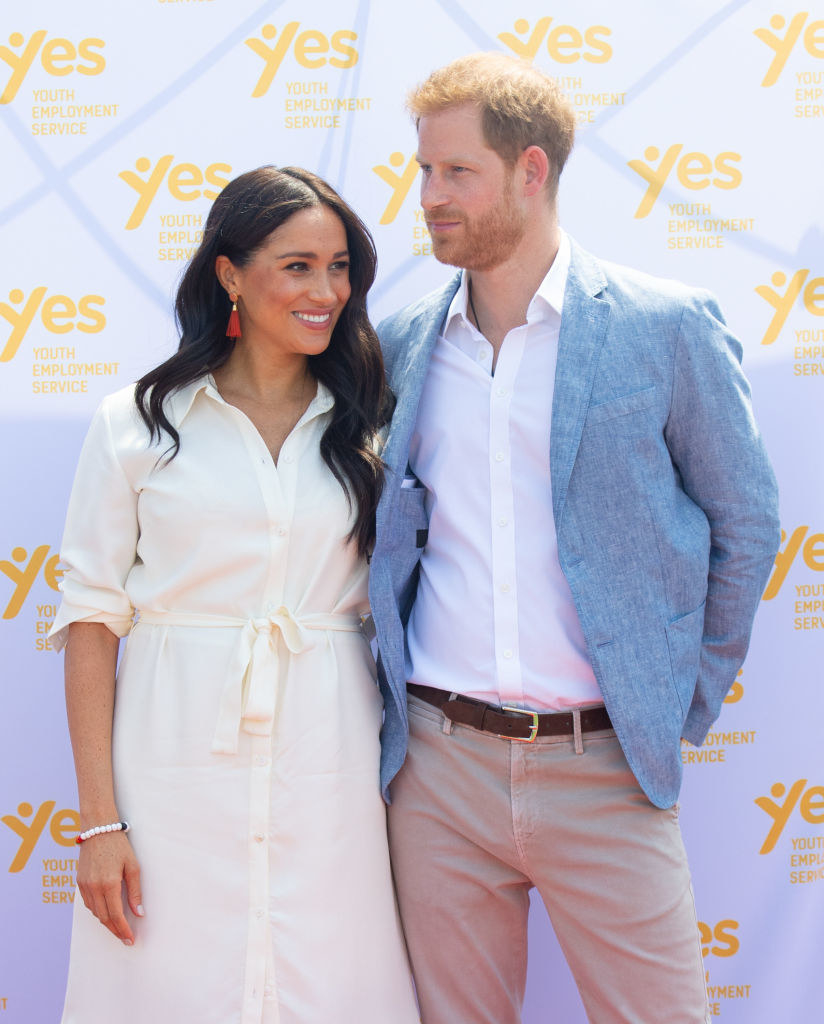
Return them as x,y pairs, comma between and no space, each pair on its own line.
549,296
180,402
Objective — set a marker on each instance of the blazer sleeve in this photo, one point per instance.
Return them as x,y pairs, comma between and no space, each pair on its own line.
717,449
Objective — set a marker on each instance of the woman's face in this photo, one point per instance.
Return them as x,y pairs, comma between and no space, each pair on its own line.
295,287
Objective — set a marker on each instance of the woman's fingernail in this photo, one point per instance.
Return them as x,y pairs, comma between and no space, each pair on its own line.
140,911
128,942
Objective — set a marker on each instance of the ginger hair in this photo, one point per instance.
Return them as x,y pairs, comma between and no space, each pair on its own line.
520,106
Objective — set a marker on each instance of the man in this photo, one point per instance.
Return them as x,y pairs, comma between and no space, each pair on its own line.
565,575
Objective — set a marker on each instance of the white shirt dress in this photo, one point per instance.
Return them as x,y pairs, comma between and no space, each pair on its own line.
246,727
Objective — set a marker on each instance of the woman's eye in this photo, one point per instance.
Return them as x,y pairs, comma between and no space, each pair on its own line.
340,265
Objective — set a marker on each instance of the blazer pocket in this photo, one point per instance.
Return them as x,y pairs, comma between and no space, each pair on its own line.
684,638
411,528
623,406
412,507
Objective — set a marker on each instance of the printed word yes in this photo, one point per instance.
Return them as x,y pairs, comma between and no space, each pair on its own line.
812,553
782,47
810,803
183,182
693,171
563,43
399,182
57,57
812,298
64,827
310,49
58,314
23,577
719,940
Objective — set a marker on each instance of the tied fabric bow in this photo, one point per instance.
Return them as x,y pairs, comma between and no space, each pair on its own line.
250,694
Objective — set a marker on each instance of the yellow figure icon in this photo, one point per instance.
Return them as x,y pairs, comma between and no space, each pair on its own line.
399,183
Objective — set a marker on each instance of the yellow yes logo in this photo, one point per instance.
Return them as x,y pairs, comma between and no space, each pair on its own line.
310,49
64,826
693,171
24,577
400,183
813,299
58,57
812,553
719,939
58,314
564,43
736,690
782,46
183,181
810,803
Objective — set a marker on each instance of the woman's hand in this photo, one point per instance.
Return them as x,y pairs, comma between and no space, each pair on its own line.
105,864
106,860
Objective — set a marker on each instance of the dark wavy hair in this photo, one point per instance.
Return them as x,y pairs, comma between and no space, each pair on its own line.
241,219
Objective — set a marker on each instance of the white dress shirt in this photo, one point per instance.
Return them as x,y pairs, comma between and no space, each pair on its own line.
494,617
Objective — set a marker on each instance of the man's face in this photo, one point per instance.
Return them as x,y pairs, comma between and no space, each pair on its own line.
467,191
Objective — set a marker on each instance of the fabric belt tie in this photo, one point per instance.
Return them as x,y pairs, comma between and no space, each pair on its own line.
250,692
511,723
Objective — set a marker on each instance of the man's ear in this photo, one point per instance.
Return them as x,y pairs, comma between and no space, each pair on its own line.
535,165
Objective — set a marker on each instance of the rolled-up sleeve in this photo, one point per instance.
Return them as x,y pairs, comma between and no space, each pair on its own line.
100,538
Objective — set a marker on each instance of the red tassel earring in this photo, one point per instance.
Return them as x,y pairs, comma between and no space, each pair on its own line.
233,327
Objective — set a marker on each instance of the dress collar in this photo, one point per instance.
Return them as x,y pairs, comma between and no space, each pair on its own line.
180,402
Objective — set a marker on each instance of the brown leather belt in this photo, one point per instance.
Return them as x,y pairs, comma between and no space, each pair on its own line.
509,722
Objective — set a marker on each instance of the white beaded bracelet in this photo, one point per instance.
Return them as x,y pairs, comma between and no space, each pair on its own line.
117,826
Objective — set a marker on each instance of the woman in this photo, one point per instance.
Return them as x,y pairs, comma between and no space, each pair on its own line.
228,503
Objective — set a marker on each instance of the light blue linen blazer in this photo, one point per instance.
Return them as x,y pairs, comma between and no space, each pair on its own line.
664,501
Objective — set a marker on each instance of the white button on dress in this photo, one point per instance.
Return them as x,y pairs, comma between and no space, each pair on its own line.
246,709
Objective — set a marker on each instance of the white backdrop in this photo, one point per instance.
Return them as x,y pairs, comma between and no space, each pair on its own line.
698,157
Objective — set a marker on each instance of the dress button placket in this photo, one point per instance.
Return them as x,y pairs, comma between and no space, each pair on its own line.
278,485
260,980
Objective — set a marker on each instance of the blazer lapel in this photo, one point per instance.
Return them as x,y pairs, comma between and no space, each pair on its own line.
583,328
409,372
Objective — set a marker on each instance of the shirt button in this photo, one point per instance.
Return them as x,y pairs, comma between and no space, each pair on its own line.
261,761
505,588
503,522
288,458
281,532
507,653
499,457
259,837
259,913
502,392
